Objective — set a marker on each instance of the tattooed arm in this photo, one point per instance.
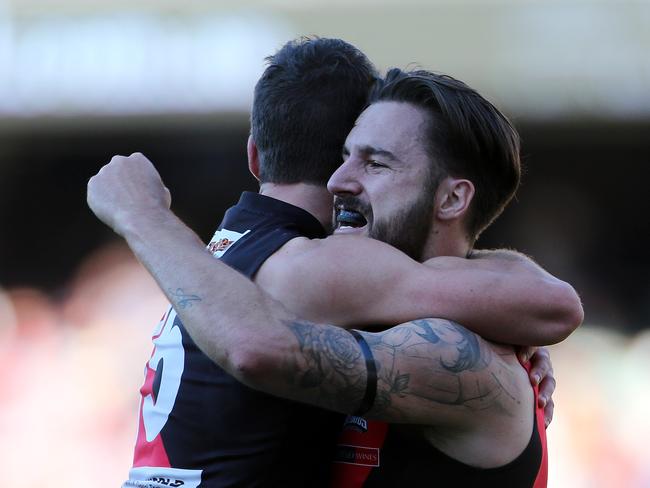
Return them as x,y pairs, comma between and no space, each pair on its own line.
351,281
259,342
431,372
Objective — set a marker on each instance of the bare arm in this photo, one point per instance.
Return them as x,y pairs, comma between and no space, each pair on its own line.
252,336
430,372
421,364
351,281
355,281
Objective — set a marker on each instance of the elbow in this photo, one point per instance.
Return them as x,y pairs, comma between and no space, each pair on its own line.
575,313
250,367
567,312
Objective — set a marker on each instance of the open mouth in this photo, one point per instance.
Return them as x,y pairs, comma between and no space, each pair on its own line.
349,220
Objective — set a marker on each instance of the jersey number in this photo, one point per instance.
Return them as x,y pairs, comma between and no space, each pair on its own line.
167,364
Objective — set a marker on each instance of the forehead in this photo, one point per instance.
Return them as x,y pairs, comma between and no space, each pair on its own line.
397,127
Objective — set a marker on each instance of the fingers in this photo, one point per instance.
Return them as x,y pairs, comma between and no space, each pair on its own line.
541,366
525,353
548,412
546,389
127,186
544,371
116,159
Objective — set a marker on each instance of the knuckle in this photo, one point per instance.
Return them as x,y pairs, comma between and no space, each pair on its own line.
542,365
547,389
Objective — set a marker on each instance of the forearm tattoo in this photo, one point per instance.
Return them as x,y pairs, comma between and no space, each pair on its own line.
184,300
432,361
330,363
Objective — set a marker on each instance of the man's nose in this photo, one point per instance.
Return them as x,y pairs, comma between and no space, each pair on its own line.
344,180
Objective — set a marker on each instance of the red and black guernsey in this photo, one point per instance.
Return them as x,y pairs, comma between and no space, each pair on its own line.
199,427
372,454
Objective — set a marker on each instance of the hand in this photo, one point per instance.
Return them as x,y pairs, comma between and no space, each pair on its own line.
126,188
541,373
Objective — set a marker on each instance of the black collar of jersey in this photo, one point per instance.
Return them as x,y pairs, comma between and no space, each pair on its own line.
308,224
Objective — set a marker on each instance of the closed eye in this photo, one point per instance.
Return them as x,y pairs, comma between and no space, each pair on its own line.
373,163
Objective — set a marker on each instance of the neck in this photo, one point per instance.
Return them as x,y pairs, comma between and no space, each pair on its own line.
315,199
446,240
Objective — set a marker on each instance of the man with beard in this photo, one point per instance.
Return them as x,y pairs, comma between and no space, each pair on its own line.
128,195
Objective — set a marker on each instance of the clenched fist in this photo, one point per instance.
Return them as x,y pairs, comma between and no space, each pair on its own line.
126,189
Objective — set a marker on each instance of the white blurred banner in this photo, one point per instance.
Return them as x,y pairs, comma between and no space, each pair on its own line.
540,60
132,63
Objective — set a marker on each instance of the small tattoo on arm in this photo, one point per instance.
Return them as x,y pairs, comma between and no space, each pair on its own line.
184,300
469,352
428,334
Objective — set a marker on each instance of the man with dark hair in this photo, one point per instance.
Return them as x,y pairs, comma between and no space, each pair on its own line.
466,137
341,280
197,424
305,103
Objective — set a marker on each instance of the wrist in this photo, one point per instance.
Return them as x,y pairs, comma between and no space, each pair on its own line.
137,225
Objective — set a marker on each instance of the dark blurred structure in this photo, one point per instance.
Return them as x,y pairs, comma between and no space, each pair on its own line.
582,211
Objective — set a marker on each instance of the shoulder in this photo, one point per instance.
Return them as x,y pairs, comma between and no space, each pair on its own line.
285,258
334,254
342,280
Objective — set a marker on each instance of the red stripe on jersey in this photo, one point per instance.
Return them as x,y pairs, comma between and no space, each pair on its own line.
148,453
542,475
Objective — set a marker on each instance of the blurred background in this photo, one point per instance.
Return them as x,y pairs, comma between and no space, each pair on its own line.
81,81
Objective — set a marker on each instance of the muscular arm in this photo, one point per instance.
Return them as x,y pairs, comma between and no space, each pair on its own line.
351,281
356,281
259,342
262,344
429,371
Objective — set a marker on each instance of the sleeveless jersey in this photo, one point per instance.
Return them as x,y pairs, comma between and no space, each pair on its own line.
198,426
370,454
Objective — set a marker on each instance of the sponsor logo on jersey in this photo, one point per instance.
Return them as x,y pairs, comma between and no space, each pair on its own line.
220,245
359,455
356,423
152,477
222,240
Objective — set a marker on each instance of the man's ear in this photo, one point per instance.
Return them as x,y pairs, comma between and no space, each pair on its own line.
453,198
253,158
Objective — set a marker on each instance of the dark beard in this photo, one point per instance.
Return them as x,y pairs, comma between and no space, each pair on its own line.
409,228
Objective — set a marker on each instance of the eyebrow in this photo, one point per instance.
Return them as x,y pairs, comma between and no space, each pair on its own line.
372,150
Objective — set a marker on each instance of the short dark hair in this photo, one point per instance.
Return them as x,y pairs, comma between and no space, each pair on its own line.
467,137
305,104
